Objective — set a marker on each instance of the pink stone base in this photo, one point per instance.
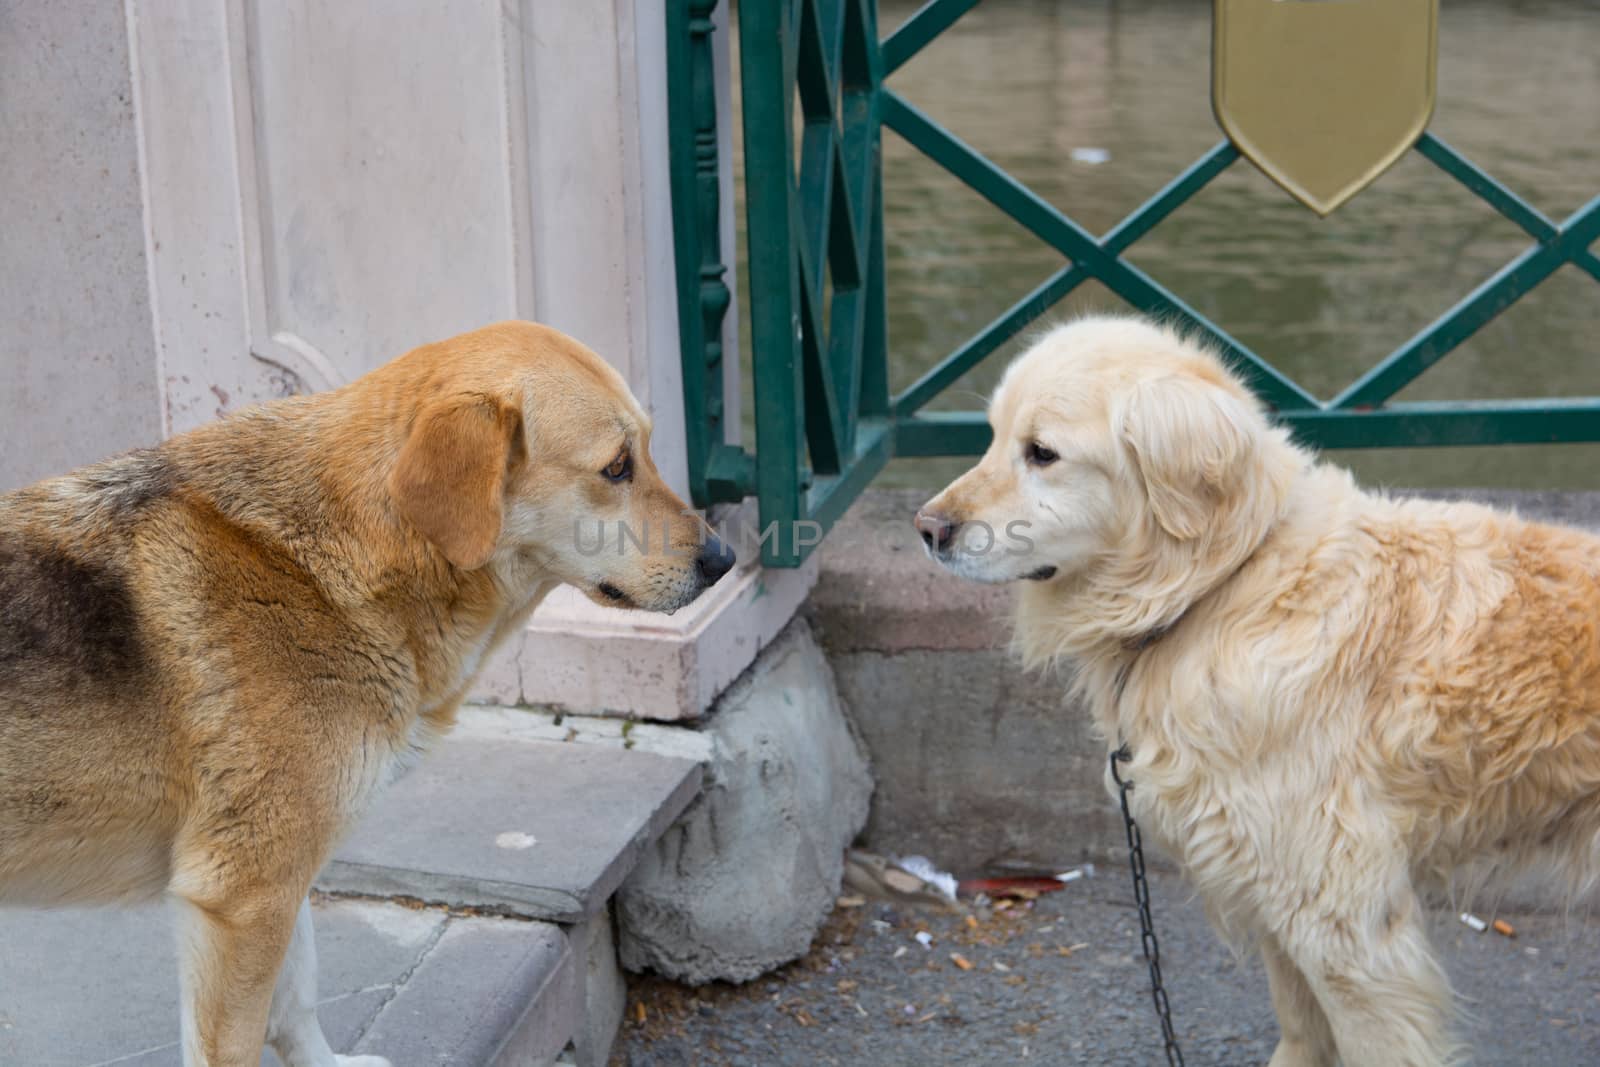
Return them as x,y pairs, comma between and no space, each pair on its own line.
579,657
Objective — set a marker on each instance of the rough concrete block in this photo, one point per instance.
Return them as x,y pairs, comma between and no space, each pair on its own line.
539,829
978,763
744,879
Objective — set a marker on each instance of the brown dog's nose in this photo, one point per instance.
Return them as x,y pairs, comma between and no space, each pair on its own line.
715,560
936,530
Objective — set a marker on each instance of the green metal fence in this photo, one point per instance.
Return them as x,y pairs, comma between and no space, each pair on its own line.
825,419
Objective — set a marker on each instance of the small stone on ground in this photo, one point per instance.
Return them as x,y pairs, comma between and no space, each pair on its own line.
1063,982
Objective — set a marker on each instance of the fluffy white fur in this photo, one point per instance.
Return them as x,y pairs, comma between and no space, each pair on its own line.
1334,699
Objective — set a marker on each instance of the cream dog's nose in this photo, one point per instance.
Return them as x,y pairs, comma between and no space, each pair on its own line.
936,530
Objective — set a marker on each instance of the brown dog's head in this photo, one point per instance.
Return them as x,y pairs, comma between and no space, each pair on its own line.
1114,440
527,448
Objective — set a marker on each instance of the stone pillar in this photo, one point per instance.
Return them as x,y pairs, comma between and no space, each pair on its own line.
77,361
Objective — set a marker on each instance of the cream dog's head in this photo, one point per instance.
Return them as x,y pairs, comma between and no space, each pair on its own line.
528,451
1113,437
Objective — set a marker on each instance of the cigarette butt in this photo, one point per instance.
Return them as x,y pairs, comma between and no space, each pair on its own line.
901,882
972,922
961,961
1070,876
638,1011
1474,922
1504,928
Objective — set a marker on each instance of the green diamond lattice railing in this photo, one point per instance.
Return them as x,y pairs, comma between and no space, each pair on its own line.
825,419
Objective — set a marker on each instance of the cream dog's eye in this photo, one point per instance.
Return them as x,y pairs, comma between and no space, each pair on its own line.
1040,456
619,469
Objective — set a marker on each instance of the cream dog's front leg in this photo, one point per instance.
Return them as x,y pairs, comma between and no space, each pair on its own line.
1305,1039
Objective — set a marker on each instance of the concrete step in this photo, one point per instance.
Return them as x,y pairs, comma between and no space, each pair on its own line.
538,829
419,985
540,832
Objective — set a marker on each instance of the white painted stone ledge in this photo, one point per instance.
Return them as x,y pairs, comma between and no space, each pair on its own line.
536,724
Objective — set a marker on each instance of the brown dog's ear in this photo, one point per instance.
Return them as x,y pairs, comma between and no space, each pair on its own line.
450,479
1188,439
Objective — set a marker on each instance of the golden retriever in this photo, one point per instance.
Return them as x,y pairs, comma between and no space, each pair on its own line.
214,652
1334,700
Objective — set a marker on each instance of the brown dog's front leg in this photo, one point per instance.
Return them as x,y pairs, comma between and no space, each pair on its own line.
230,947
292,1027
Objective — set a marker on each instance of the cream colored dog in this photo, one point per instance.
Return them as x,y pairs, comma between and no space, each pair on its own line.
1333,699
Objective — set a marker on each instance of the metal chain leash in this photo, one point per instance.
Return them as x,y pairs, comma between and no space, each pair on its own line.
1141,897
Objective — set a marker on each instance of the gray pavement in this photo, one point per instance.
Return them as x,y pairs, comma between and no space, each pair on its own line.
100,986
493,819
858,999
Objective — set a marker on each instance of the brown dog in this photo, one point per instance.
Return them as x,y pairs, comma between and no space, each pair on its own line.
214,652
1333,700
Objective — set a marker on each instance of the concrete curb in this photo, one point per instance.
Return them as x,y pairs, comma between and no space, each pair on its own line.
489,991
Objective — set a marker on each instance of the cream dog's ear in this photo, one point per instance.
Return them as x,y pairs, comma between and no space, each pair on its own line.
1188,439
450,479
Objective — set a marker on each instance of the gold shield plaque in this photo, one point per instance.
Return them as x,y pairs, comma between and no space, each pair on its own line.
1323,95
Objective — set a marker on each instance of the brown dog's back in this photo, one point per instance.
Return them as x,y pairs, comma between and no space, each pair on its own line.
80,723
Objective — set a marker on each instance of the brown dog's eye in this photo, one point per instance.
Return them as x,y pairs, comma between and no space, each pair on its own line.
1040,456
620,469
